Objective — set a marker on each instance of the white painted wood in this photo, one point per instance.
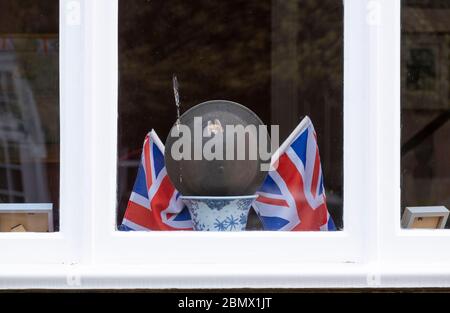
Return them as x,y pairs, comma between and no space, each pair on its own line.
397,245
197,247
114,276
64,246
372,251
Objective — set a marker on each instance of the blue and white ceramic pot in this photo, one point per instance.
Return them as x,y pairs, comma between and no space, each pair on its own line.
228,213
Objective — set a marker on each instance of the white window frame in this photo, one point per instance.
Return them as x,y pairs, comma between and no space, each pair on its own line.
186,247
63,247
371,251
397,245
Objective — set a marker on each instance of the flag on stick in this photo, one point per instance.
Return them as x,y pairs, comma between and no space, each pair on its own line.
154,203
293,195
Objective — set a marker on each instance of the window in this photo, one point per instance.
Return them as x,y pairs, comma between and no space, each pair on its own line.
29,116
425,109
371,75
270,56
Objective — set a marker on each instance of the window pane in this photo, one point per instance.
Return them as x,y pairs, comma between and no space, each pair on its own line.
425,112
281,59
29,115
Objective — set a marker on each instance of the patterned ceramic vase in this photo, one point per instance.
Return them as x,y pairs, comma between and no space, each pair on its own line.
219,213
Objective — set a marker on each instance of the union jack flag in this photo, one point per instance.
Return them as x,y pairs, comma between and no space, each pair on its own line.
154,203
293,196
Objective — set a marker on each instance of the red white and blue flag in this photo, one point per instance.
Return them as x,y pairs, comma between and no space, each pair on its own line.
292,197
154,203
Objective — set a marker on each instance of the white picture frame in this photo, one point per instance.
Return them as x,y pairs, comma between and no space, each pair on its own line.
437,215
24,208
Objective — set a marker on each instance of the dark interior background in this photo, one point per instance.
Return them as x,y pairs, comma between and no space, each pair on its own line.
281,59
29,102
425,104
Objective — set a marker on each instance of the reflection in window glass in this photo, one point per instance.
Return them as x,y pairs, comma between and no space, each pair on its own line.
281,59
425,107
29,115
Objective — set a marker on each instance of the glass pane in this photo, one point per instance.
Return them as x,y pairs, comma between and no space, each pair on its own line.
425,113
283,60
29,115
